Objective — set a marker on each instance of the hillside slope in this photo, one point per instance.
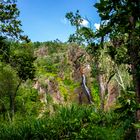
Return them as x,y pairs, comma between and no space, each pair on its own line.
59,73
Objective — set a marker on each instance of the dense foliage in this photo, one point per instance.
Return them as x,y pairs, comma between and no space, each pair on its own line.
71,122
41,83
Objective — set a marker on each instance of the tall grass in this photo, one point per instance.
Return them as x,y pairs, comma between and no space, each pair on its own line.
69,123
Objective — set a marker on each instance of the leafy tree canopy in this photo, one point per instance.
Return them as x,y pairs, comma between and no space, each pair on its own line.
10,25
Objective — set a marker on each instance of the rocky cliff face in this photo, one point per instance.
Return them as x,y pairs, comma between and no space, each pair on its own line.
59,76
63,81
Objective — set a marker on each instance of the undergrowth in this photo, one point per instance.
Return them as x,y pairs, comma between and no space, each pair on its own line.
71,122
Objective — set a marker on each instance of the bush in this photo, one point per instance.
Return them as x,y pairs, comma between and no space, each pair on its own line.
71,122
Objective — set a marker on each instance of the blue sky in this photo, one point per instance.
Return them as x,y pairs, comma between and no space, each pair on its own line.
44,20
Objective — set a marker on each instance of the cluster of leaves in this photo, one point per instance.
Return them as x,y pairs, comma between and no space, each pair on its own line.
19,56
10,25
8,17
82,34
22,59
121,22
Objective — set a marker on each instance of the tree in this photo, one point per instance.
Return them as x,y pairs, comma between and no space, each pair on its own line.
121,17
13,72
9,81
85,35
75,20
10,25
18,55
21,60
102,68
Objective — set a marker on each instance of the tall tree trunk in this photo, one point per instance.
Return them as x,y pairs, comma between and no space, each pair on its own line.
137,89
101,90
133,50
136,80
12,101
100,79
100,83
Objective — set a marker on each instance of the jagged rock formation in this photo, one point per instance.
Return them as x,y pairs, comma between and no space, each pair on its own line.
42,92
60,75
68,65
113,92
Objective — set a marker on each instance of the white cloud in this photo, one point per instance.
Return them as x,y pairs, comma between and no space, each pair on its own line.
84,22
97,26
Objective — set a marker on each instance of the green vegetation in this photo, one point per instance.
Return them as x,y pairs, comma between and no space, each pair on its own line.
41,87
71,122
